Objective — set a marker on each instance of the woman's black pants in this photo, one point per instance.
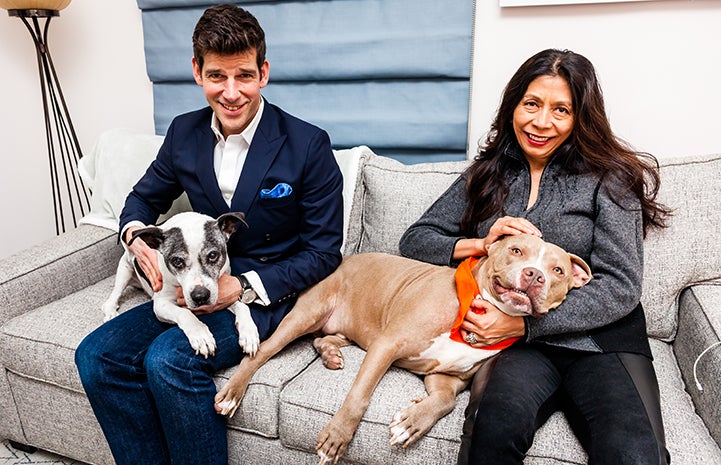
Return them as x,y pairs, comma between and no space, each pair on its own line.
611,401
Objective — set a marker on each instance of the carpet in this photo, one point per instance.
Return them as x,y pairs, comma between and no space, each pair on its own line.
11,456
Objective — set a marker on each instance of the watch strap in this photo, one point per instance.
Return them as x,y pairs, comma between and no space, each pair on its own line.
244,282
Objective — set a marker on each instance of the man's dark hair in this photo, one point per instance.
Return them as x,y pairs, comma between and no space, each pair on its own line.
226,29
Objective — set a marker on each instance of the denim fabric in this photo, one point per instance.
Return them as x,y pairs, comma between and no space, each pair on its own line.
607,398
151,393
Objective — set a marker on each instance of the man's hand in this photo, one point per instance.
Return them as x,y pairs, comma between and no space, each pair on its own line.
229,290
147,259
490,325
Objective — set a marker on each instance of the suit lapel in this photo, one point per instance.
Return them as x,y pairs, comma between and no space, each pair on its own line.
266,144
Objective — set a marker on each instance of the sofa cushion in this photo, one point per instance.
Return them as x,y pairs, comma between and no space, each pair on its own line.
391,196
41,343
687,437
38,355
311,399
258,412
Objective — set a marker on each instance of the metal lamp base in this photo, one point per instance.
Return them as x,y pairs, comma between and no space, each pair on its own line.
70,197
34,13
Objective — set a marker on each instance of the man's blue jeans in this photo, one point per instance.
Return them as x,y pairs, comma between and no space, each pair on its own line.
151,393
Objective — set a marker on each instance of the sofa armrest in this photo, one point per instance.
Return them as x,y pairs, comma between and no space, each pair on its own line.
56,268
699,328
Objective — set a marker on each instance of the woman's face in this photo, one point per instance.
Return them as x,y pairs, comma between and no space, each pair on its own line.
543,119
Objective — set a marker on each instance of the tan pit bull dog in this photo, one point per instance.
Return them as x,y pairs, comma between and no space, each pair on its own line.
404,312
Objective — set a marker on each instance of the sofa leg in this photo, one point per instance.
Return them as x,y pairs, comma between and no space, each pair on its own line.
23,447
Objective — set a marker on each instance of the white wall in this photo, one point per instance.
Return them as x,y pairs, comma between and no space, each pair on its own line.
97,49
658,62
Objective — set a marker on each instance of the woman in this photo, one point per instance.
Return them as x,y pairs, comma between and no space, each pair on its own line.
552,166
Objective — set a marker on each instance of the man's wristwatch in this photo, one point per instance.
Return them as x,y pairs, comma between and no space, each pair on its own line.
248,294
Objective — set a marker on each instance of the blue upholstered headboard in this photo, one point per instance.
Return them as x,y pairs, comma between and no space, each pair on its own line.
390,74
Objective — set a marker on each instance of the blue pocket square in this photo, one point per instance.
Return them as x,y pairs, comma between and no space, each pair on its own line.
280,190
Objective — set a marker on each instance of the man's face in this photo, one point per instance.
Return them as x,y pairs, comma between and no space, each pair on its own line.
231,84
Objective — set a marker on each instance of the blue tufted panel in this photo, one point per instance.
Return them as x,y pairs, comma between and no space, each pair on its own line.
390,74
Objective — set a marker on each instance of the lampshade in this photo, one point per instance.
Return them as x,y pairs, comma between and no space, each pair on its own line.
34,4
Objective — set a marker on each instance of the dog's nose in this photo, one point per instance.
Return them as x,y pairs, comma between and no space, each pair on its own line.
532,275
200,295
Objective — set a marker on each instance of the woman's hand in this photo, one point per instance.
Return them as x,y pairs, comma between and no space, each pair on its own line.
228,292
510,226
505,226
147,259
490,325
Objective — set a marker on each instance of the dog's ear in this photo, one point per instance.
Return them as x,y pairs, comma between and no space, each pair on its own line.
495,243
152,235
229,222
581,271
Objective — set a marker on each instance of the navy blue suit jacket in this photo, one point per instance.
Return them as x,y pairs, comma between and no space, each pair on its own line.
292,242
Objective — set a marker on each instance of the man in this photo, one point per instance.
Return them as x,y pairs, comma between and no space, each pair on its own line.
152,395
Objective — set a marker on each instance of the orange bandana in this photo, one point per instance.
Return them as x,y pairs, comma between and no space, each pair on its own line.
467,290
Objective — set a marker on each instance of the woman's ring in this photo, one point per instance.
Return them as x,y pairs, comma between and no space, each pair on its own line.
471,338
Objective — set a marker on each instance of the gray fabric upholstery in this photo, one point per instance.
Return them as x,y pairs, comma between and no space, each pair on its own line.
686,253
292,397
700,328
392,196
41,275
58,267
306,408
259,413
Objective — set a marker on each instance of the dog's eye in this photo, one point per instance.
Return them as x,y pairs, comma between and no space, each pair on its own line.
177,263
558,270
516,251
213,256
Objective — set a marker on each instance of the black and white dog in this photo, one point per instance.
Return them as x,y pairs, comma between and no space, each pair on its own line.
193,255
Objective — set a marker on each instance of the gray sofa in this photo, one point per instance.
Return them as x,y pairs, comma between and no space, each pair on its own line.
50,297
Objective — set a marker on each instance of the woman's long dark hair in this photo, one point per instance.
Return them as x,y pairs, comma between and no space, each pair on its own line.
591,148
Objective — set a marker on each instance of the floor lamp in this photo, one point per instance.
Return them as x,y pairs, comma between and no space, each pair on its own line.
70,197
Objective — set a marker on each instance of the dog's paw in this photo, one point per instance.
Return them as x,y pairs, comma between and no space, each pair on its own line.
333,440
110,311
323,458
228,399
329,349
411,423
226,407
248,338
201,339
399,434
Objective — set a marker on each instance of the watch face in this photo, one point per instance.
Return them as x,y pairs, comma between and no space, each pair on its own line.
249,295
